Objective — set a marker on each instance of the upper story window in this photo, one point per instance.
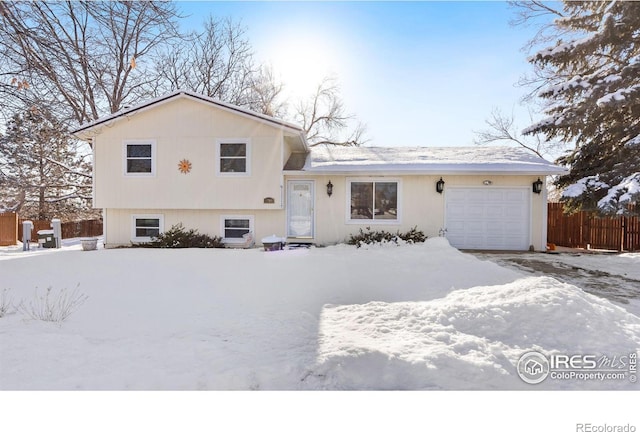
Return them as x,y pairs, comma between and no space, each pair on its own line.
373,200
139,158
234,157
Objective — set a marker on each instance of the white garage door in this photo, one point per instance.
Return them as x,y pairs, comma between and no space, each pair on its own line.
483,218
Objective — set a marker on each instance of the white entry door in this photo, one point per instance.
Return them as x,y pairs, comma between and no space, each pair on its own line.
488,218
300,209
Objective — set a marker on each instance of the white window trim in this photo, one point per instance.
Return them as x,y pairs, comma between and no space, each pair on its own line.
153,157
222,227
349,221
245,141
135,239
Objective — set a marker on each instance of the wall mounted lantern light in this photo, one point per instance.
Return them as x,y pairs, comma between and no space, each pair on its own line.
537,186
329,188
440,185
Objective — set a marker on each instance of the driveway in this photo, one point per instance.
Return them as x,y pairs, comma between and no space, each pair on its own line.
615,277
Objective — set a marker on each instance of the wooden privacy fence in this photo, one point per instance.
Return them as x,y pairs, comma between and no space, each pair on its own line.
8,229
86,228
585,230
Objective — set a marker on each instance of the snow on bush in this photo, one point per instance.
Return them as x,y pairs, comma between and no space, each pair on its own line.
583,186
178,237
384,238
618,196
621,194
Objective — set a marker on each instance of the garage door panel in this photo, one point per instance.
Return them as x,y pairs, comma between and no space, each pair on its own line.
473,227
512,212
492,243
456,195
494,228
494,196
474,241
513,227
495,212
457,211
474,211
488,219
519,195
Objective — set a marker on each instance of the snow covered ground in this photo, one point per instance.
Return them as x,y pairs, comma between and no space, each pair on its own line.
409,317
615,277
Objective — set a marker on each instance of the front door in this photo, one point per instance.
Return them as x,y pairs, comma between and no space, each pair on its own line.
300,209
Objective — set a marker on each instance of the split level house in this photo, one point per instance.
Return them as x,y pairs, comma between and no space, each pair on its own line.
226,171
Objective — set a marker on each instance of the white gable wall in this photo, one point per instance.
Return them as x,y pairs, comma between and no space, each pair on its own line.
186,129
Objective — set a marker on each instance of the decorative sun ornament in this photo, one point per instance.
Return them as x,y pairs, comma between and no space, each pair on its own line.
184,166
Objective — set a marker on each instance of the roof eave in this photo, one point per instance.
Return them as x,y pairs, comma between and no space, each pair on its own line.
397,172
84,131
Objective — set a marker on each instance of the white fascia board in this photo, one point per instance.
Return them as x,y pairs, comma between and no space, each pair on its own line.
434,170
85,131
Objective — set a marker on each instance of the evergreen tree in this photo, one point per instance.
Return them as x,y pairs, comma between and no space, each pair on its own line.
43,172
593,100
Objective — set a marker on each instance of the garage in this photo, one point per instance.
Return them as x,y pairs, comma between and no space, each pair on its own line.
488,218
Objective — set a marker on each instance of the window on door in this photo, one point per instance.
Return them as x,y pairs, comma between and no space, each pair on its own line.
373,200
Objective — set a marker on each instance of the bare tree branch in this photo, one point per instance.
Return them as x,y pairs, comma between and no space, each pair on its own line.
75,55
502,128
324,120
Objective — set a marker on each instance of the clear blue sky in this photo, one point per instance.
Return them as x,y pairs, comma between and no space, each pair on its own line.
417,73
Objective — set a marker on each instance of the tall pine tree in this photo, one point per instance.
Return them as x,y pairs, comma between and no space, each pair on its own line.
43,172
593,100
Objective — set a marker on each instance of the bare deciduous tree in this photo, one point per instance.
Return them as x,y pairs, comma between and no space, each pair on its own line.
83,59
217,62
542,16
502,128
324,120
265,94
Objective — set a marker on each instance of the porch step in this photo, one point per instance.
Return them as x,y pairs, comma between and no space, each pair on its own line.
298,245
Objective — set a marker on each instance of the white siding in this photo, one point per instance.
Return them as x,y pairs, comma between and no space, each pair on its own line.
185,129
421,205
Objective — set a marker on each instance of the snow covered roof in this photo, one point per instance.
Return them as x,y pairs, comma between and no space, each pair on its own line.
421,160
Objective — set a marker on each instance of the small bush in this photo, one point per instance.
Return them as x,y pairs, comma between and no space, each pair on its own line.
52,306
367,236
6,302
178,237
413,236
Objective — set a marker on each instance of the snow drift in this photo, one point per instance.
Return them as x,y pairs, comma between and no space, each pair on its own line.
408,317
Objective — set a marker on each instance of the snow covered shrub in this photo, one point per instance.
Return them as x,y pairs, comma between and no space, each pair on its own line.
5,302
180,237
368,236
413,236
53,306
